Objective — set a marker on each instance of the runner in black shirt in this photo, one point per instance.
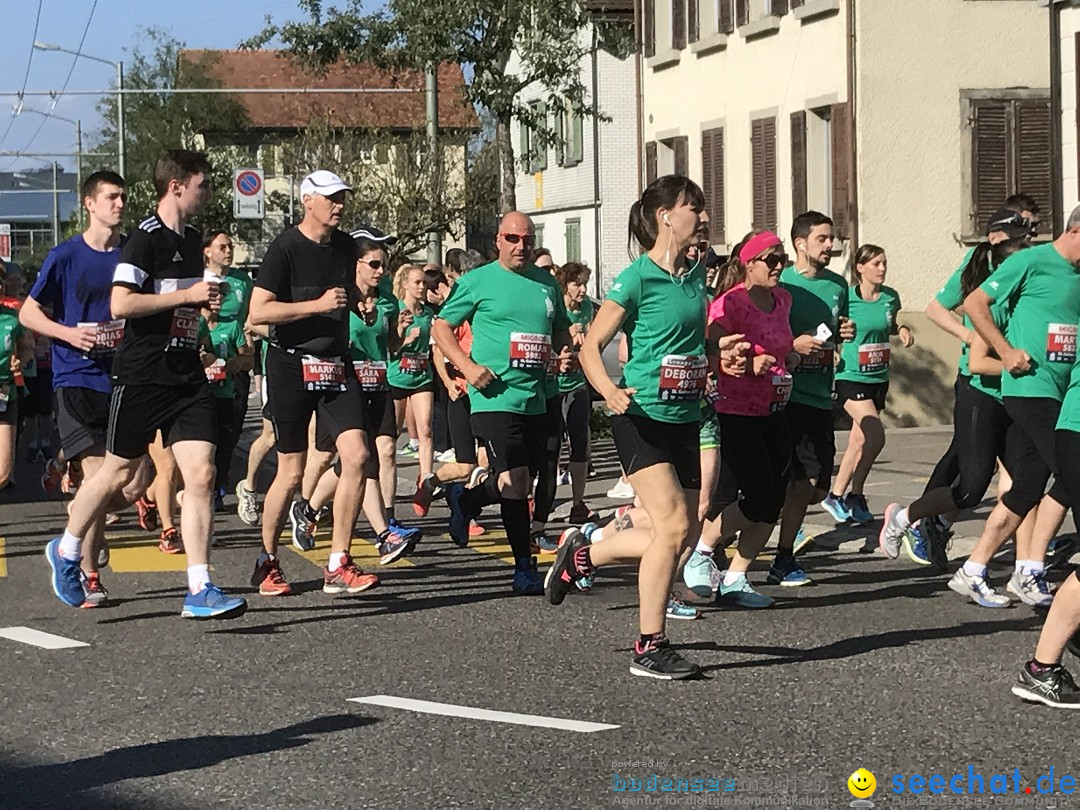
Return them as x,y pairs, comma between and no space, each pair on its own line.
304,292
158,381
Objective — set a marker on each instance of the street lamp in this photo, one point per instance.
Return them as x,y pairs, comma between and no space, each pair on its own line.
46,46
78,149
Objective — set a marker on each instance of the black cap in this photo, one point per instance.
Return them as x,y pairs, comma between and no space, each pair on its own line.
374,234
1009,223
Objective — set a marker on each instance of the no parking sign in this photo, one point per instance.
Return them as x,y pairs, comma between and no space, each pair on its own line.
248,194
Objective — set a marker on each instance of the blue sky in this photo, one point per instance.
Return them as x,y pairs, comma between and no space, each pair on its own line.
113,33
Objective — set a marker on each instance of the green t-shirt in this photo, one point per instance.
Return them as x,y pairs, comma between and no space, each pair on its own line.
411,369
815,301
574,378
224,341
513,317
951,296
1069,418
10,333
1040,292
989,384
237,300
665,340
866,359
367,344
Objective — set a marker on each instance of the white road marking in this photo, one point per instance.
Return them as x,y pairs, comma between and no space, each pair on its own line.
450,710
37,638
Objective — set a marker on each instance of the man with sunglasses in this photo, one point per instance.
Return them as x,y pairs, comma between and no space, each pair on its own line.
518,319
304,291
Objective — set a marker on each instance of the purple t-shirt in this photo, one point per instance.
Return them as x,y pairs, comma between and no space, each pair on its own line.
767,333
75,284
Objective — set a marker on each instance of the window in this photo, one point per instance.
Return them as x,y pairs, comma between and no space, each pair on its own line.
763,172
538,230
712,173
573,240
569,127
532,153
1010,154
680,154
725,16
693,21
820,157
648,27
749,11
651,167
678,24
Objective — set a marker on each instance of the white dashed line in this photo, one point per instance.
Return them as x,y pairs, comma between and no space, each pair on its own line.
450,710
37,638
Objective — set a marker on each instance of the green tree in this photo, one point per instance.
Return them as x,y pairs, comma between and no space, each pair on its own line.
481,36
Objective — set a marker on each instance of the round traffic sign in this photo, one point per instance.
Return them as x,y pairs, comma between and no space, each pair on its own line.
248,183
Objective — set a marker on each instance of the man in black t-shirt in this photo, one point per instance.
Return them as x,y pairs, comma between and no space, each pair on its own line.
159,382
304,292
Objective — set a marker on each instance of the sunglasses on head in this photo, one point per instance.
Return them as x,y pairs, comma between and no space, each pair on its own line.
774,261
514,238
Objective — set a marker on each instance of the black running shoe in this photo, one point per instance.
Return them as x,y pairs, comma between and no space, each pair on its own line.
937,541
659,660
1054,688
1060,550
561,576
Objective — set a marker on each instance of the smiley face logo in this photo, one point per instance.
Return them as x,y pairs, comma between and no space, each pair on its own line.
862,784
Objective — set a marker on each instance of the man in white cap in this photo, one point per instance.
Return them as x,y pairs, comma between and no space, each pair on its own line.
303,293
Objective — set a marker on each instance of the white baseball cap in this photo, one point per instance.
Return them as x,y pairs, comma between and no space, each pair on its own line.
322,182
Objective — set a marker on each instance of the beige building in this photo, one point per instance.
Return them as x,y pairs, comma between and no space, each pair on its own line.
908,121
1065,96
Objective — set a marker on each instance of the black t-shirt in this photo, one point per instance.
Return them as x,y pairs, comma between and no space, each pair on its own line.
163,348
297,269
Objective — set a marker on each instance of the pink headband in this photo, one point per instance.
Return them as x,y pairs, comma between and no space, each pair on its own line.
758,245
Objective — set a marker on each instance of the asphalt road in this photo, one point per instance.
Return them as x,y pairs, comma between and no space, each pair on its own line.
874,666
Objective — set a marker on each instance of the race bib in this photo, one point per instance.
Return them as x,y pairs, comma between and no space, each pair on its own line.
107,337
184,329
371,374
873,357
819,361
413,363
529,351
782,384
215,372
323,374
683,377
1061,342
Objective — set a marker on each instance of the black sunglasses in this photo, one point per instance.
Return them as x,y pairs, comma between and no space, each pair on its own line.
775,261
374,265
514,238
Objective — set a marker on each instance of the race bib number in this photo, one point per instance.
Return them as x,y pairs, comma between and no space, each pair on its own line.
184,329
413,363
323,374
529,351
107,337
873,357
782,384
683,377
1061,342
819,361
215,372
371,374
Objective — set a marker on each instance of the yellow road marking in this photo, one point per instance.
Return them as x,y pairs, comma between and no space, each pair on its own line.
138,554
364,553
3,559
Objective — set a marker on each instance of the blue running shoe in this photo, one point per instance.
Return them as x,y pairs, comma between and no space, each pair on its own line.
459,520
527,579
916,546
587,529
742,593
410,534
1059,551
802,541
837,508
677,609
543,543
66,582
212,603
857,507
785,571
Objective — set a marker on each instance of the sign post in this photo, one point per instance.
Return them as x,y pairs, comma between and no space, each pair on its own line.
5,242
248,194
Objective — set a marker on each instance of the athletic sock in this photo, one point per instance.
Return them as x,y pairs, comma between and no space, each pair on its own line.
731,577
1022,564
1034,567
647,640
703,549
198,577
337,559
597,535
263,557
974,569
70,546
1036,667
515,518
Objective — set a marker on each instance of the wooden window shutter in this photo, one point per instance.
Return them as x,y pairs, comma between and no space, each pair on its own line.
712,173
562,139
678,24
693,24
795,3
771,216
763,158
742,12
778,8
650,162
539,150
1033,150
648,26
524,147
798,163
840,126
990,170
726,22
681,147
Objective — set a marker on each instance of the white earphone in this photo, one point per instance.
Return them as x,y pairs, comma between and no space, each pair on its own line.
668,221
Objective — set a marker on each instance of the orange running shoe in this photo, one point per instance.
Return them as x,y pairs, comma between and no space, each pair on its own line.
349,578
170,542
269,579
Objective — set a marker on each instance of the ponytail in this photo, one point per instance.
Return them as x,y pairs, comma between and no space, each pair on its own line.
664,192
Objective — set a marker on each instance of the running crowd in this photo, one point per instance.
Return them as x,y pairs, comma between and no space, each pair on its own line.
722,418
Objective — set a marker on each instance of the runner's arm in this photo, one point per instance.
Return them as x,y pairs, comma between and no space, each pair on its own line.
606,325
981,362
266,309
443,334
977,307
949,323
33,317
128,303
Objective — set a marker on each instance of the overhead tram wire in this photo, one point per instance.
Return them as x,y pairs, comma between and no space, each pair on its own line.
26,76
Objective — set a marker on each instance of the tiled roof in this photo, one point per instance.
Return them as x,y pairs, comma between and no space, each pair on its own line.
268,68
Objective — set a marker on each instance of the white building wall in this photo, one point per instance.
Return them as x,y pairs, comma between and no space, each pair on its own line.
1070,30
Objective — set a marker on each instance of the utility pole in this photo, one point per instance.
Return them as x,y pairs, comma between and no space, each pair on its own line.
55,207
120,119
431,81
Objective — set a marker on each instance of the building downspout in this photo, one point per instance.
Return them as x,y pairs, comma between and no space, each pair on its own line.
639,48
597,219
1057,183
853,180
